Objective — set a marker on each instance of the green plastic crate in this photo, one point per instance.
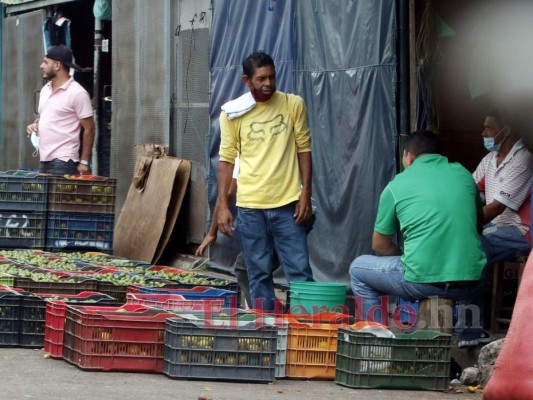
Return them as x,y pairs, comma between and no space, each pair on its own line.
420,360
7,280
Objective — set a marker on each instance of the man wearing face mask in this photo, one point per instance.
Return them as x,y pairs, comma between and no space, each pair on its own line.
504,179
269,130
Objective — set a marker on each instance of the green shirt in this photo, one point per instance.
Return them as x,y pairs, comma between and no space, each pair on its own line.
434,205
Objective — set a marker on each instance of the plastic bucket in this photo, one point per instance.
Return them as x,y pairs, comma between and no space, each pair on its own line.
317,297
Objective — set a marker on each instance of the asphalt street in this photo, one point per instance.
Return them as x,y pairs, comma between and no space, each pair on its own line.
27,374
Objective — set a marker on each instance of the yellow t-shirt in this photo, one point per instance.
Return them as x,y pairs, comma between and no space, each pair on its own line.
268,139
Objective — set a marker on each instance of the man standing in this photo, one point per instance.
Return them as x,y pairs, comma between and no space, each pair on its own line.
434,205
504,179
64,108
274,184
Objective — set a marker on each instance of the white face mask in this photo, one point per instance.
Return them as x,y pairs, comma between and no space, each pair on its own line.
35,142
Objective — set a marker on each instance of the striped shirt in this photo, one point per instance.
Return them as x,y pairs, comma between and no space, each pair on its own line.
510,184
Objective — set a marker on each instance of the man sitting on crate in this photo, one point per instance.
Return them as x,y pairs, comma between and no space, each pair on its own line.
435,206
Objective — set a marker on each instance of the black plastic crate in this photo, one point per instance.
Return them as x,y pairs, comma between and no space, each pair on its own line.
23,191
32,317
78,231
94,194
20,229
10,309
236,352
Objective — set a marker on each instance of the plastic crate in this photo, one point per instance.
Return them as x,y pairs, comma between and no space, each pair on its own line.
194,350
105,339
60,287
54,326
10,309
19,229
197,293
420,360
7,280
174,302
23,191
95,195
77,231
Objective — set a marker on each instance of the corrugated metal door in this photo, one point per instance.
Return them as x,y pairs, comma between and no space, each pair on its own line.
23,49
141,83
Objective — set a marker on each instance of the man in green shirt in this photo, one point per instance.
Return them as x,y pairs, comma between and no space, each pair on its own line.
434,205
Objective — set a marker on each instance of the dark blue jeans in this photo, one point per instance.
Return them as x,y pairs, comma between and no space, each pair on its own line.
262,232
59,167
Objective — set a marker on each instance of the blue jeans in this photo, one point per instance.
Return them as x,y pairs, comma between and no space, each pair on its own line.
373,278
59,167
262,232
503,243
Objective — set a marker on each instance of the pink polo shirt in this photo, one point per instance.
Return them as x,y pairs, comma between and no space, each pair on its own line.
60,113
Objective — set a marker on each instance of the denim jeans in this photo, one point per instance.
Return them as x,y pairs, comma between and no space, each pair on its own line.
503,243
373,278
263,232
59,167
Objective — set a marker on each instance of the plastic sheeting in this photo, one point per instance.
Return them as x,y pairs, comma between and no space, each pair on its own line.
340,57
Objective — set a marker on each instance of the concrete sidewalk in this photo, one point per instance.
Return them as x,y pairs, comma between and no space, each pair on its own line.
26,374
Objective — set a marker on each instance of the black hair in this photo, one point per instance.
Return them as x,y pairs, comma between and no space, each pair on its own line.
502,117
423,142
256,60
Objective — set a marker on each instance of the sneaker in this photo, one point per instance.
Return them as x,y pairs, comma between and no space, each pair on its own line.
484,338
464,343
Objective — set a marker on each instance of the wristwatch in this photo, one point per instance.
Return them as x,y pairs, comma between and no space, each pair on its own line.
85,162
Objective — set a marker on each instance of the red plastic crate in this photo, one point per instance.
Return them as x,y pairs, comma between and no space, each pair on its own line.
174,302
127,338
55,317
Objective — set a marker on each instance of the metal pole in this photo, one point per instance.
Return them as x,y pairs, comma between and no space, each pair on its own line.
96,90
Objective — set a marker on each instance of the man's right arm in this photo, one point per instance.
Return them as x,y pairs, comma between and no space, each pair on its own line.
225,219
33,127
383,245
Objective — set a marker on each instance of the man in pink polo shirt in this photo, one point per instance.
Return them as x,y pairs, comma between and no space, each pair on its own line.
64,108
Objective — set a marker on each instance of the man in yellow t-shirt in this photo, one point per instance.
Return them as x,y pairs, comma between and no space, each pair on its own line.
274,183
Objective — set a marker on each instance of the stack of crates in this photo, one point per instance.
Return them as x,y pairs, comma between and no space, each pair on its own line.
23,205
81,213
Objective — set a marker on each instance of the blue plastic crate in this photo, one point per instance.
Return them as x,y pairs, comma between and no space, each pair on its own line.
22,229
23,191
80,231
208,294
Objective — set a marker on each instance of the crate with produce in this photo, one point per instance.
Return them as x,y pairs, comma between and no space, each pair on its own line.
127,338
77,231
234,348
22,229
415,361
82,194
55,316
10,310
23,191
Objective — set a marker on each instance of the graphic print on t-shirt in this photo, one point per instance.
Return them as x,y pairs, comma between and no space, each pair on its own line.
258,130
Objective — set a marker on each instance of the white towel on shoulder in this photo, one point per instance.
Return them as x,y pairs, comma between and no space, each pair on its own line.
239,106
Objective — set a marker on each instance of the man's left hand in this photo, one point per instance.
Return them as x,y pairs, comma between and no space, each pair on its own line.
303,210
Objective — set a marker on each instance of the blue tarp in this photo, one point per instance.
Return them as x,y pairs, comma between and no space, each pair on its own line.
340,57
